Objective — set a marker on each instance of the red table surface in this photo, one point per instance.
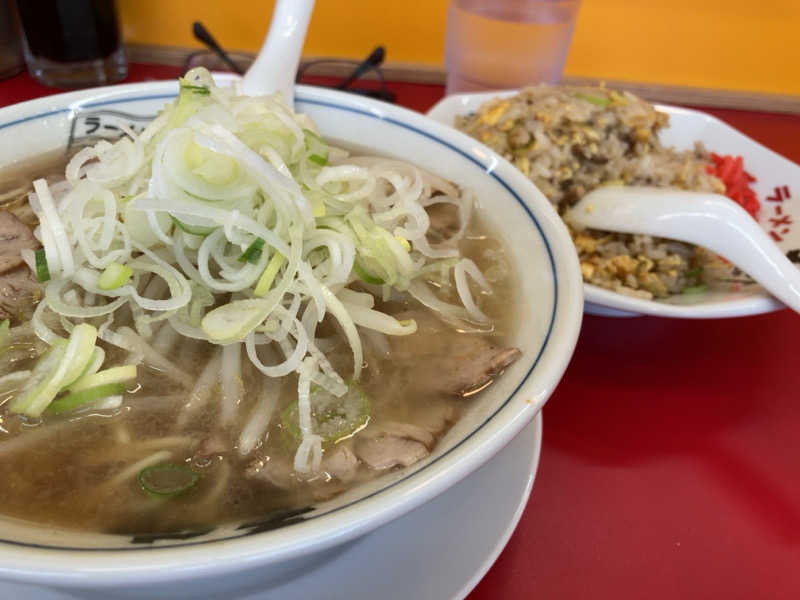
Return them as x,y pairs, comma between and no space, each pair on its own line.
670,463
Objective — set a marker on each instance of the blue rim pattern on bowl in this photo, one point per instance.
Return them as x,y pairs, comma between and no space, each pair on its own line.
294,516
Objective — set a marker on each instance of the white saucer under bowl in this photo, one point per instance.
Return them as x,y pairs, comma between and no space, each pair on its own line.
438,551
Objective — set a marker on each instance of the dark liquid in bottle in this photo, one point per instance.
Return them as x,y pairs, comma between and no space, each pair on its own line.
70,30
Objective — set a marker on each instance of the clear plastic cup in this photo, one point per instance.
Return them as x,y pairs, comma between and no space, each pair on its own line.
506,43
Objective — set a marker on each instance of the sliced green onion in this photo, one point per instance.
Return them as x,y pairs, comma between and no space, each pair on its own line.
332,418
694,289
233,321
98,356
106,377
380,254
362,274
191,99
42,270
84,397
403,242
193,229
596,100
196,89
317,148
83,337
318,207
5,333
253,252
268,276
319,201
167,479
45,367
115,275
58,368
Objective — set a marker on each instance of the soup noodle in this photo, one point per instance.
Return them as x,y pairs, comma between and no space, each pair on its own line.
235,318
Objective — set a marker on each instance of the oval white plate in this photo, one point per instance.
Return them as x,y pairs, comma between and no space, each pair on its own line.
777,187
436,551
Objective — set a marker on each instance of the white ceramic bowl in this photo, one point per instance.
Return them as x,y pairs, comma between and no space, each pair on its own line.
232,558
776,178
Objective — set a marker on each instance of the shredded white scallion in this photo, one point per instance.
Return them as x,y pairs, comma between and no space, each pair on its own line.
230,231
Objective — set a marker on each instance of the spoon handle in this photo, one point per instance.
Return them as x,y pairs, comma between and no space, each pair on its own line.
276,63
708,220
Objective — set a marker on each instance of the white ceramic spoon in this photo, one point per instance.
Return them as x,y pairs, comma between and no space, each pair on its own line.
276,64
709,220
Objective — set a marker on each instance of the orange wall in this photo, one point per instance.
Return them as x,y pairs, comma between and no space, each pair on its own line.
725,44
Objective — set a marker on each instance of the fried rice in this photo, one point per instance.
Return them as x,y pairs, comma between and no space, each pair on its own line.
569,140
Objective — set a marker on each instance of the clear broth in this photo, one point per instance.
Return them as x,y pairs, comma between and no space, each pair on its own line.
61,472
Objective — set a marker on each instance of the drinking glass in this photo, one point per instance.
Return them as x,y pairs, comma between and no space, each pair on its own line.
506,43
11,61
72,43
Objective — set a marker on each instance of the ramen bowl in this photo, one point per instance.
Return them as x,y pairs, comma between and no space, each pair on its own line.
241,556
